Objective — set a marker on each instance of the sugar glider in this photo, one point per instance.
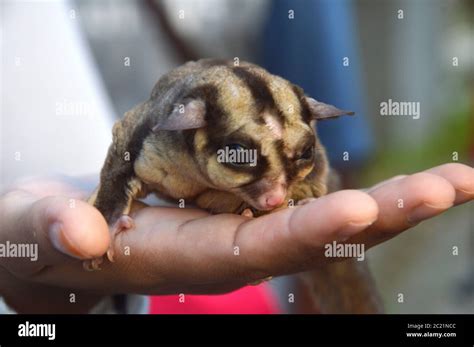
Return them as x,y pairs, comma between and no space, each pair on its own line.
230,139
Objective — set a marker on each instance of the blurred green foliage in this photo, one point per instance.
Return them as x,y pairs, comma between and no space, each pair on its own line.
452,134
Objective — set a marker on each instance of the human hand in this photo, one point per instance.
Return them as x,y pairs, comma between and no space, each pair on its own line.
189,251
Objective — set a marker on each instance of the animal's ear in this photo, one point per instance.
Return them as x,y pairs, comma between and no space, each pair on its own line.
321,111
190,114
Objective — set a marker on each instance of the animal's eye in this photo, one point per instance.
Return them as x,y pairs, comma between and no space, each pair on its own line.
236,147
236,154
307,153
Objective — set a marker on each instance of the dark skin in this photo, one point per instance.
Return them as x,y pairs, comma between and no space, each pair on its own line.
188,250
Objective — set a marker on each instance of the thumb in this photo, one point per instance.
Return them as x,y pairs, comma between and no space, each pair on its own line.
60,227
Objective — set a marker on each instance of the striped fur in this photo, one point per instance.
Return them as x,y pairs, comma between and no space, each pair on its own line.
243,104
240,102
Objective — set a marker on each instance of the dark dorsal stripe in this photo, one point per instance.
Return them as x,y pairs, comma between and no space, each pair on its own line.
260,91
117,174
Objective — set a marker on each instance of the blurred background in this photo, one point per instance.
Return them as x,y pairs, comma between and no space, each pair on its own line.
70,68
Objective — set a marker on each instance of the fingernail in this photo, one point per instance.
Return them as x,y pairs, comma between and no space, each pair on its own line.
352,228
425,211
60,242
55,236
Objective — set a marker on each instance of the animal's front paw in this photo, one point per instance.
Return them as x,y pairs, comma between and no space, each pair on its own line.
92,264
247,213
122,224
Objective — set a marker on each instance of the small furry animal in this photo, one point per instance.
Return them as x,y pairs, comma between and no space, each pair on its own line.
230,139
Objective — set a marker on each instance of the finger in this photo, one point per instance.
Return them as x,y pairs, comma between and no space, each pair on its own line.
405,202
390,180
44,186
190,251
226,247
24,296
58,226
461,178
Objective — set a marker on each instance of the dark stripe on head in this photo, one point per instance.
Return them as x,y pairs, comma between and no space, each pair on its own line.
260,91
215,114
289,166
304,107
217,133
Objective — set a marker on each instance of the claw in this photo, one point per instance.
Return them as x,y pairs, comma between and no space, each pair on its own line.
124,223
92,264
110,254
247,213
87,265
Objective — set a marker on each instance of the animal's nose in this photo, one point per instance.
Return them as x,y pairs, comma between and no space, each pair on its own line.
273,198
